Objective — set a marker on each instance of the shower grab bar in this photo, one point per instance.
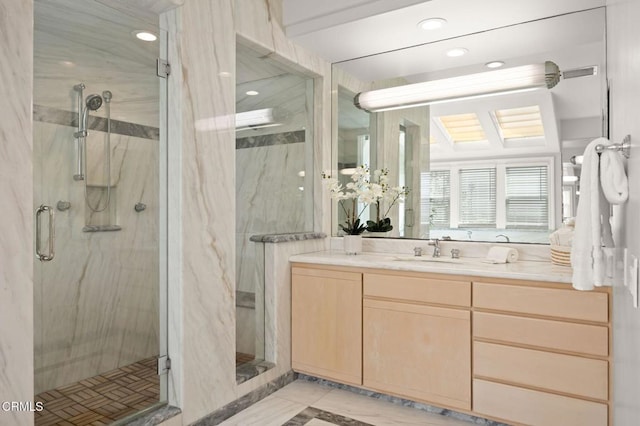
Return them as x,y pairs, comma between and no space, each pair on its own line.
52,234
80,134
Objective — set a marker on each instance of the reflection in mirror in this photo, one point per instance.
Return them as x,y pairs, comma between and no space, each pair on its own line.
493,168
354,144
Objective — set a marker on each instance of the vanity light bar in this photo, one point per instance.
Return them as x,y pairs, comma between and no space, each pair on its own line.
499,82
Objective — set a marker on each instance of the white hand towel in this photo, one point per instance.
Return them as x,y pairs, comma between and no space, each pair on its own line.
502,255
592,224
613,177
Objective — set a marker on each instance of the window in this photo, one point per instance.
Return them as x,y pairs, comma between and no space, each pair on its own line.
435,187
520,123
477,198
463,127
527,198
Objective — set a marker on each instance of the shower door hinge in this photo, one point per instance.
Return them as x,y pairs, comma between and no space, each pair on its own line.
164,365
164,68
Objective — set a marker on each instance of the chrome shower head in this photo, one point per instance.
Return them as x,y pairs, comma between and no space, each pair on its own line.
107,95
94,102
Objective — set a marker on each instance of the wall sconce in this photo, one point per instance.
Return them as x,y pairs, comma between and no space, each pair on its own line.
257,119
491,83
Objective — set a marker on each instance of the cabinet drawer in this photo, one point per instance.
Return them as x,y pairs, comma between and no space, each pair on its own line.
535,408
418,289
563,336
556,372
570,304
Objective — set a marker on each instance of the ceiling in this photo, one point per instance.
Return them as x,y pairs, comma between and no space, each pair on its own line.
340,30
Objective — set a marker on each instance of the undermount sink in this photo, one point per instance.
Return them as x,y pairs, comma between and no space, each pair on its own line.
427,259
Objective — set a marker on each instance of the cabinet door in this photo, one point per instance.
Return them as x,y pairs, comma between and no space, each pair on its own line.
326,324
418,352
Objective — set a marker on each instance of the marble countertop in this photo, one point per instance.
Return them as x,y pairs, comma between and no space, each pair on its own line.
473,266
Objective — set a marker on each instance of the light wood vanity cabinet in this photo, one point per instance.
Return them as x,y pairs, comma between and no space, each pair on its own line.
416,338
326,324
540,354
521,352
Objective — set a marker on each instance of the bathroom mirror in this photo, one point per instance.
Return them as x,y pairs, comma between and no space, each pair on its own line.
494,168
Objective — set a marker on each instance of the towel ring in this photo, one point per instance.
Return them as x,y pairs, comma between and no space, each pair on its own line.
624,147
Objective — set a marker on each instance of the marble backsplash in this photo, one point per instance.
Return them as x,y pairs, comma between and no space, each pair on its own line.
532,252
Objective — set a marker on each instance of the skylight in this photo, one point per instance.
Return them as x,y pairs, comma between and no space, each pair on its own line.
463,127
520,123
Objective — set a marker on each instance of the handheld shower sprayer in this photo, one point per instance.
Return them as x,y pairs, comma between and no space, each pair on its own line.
92,102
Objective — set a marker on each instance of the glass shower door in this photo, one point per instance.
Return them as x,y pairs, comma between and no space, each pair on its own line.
100,173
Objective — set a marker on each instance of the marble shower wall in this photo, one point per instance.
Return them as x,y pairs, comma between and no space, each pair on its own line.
16,226
270,199
96,303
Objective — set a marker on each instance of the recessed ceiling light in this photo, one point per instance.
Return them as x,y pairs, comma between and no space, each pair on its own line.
432,23
494,64
67,63
458,51
224,74
252,93
145,36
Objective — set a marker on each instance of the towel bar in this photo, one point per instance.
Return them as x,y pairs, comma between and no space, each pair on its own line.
624,147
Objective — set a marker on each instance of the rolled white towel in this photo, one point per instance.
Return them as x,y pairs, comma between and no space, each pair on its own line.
502,255
613,177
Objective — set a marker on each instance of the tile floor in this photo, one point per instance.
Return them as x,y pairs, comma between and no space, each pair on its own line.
312,404
111,396
102,399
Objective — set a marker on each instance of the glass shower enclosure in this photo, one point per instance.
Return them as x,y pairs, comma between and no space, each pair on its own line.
99,112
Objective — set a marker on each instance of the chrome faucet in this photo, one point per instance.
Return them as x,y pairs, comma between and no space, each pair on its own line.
502,235
436,247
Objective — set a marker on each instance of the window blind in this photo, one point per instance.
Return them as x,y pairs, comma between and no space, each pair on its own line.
527,198
435,190
477,198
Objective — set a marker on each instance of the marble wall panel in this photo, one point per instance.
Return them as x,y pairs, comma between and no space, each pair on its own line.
205,40
16,226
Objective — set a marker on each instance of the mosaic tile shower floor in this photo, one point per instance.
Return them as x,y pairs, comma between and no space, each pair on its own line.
100,400
103,399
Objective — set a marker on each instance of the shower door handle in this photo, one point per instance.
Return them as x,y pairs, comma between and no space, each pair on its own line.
52,233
